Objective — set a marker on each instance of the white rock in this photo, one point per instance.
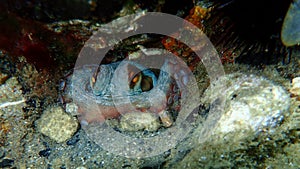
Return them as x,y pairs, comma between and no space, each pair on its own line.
295,89
72,108
252,103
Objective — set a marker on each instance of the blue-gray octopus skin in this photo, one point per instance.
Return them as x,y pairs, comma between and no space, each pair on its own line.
107,91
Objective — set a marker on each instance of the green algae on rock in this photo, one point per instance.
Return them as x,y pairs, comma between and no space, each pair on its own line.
57,124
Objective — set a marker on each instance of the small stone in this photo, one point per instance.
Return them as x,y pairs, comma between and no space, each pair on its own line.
72,108
295,89
45,153
57,124
136,121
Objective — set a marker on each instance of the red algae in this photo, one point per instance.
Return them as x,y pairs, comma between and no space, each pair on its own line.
35,41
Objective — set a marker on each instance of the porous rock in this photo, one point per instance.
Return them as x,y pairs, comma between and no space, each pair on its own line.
57,124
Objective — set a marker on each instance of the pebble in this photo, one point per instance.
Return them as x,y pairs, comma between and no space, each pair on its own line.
45,153
57,124
295,89
136,121
72,108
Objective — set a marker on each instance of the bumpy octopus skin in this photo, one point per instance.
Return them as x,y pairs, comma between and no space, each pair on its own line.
93,92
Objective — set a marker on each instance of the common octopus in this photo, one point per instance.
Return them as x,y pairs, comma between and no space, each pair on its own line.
110,90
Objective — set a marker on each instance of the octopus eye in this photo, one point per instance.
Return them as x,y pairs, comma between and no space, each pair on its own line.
141,82
135,81
147,83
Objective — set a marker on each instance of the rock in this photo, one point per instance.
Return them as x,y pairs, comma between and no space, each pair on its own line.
136,121
252,104
295,89
72,109
57,124
45,153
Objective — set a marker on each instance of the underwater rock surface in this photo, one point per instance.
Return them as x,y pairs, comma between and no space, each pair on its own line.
253,103
13,125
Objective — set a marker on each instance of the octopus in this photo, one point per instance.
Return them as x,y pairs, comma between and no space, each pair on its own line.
107,91
148,81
